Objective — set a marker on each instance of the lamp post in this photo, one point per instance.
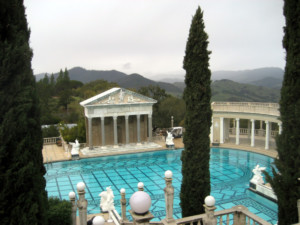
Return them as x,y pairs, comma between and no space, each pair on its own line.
169,197
172,121
82,204
209,207
74,207
123,204
140,203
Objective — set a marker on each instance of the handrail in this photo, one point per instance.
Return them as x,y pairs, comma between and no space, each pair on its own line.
247,107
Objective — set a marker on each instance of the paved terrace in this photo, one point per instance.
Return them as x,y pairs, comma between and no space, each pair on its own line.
54,153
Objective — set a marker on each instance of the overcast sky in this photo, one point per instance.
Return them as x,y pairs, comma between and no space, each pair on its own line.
149,36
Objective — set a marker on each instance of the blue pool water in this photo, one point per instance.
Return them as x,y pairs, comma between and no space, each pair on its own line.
230,171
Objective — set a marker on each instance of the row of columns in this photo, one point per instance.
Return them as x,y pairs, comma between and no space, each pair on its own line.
116,131
237,140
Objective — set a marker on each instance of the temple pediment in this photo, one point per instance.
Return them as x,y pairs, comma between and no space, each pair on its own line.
117,96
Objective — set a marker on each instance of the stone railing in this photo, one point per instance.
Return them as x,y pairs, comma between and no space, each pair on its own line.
50,140
238,215
258,132
247,107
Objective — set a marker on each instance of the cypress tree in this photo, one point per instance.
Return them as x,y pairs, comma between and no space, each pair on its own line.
195,157
285,180
23,199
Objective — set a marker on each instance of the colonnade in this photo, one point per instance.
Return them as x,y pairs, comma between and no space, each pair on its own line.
115,131
222,131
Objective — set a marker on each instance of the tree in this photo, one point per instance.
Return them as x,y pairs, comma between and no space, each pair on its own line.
197,93
23,199
158,94
285,179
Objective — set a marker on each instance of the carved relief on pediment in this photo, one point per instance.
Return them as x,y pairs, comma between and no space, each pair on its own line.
121,97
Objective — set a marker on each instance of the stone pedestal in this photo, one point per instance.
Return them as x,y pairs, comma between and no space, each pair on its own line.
141,219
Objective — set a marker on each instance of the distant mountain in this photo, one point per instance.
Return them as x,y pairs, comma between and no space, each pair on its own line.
85,76
250,76
264,84
127,81
227,90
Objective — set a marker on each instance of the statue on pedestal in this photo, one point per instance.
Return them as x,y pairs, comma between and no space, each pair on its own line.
75,147
107,200
169,140
258,178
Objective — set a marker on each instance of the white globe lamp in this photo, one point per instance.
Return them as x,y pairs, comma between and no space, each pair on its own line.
210,201
140,185
72,195
140,202
98,220
80,186
122,190
168,174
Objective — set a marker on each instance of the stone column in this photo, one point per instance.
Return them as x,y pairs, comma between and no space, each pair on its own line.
172,121
82,204
90,133
138,124
74,207
279,128
221,130
123,205
237,131
169,197
115,132
141,219
267,135
126,129
252,132
150,127
212,130
103,130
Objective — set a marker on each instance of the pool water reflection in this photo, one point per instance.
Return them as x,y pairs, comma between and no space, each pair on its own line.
230,172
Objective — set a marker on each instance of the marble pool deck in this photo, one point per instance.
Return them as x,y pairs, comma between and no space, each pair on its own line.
54,153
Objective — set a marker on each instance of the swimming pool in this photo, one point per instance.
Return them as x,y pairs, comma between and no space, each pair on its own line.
230,171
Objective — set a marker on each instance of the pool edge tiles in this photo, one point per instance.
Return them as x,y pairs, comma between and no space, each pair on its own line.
232,167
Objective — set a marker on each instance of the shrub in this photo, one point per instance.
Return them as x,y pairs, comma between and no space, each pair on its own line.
59,212
50,131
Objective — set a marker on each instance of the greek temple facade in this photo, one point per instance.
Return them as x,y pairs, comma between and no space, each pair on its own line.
118,117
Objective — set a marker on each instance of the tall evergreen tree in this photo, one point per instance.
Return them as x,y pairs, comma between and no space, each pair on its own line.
23,197
285,181
195,157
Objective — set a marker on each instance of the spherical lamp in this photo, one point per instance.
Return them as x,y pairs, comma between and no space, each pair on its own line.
140,202
210,201
168,174
80,186
72,195
98,220
140,185
122,190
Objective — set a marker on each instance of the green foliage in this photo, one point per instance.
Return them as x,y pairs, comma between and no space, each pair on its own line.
23,199
195,156
59,212
227,90
170,106
51,131
77,132
285,181
158,94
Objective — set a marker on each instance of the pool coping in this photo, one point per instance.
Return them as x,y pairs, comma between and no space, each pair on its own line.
60,155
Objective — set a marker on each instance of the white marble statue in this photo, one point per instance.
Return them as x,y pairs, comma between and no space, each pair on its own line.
121,96
107,200
258,178
169,139
75,147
